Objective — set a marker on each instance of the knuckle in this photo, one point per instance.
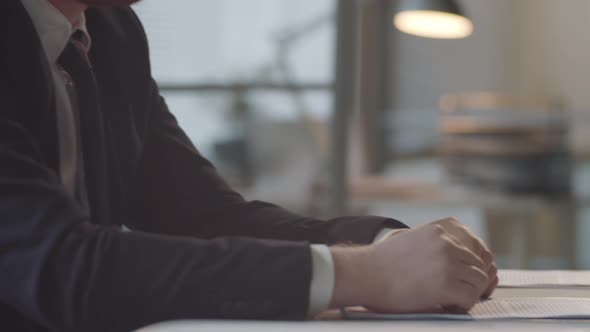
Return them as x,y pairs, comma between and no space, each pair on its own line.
448,246
488,257
485,285
494,269
454,220
483,253
438,229
467,233
442,246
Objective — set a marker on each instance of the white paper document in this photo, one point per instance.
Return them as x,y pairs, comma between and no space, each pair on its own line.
505,308
547,279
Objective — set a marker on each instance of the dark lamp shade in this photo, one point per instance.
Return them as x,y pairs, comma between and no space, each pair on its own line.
440,19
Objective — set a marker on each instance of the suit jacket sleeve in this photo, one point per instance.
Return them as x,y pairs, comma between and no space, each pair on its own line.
178,191
61,273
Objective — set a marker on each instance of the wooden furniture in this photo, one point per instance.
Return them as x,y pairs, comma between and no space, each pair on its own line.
515,151
494,142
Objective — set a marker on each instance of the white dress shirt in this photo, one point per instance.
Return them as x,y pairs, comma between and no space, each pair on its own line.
55,31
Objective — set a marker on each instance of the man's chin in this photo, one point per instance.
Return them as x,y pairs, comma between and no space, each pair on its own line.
108,2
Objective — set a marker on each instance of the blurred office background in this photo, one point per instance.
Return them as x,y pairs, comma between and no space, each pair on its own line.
324,107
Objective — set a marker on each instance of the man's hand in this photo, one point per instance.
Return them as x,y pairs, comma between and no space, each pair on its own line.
464,236
423,269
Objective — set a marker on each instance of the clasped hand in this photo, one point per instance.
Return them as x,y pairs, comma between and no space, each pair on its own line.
434,266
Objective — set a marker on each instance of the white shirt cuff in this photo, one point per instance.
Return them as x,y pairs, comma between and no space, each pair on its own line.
322,279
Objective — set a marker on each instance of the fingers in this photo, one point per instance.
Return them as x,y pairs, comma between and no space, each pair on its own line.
467,238
465,291
468,277
462,297
485,253
471,241
440,269
464,255
492,287
492,271
493,283
475,278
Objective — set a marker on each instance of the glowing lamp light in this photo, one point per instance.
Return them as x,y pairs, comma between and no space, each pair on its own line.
432,19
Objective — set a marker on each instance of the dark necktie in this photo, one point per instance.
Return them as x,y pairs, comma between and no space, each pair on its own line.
80,83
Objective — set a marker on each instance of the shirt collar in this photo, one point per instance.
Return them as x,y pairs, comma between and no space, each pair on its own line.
53,27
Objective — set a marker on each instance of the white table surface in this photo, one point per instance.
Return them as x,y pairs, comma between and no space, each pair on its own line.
389,326
369,326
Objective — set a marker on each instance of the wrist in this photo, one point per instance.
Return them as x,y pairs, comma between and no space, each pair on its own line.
351,276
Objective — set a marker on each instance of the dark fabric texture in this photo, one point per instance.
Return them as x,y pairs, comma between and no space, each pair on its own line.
81,87
198,249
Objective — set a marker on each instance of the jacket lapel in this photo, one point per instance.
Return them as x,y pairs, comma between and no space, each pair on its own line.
27,87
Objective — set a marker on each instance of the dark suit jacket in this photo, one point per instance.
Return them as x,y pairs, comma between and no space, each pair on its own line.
200,250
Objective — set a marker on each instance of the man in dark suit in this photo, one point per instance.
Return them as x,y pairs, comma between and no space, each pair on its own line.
88,148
